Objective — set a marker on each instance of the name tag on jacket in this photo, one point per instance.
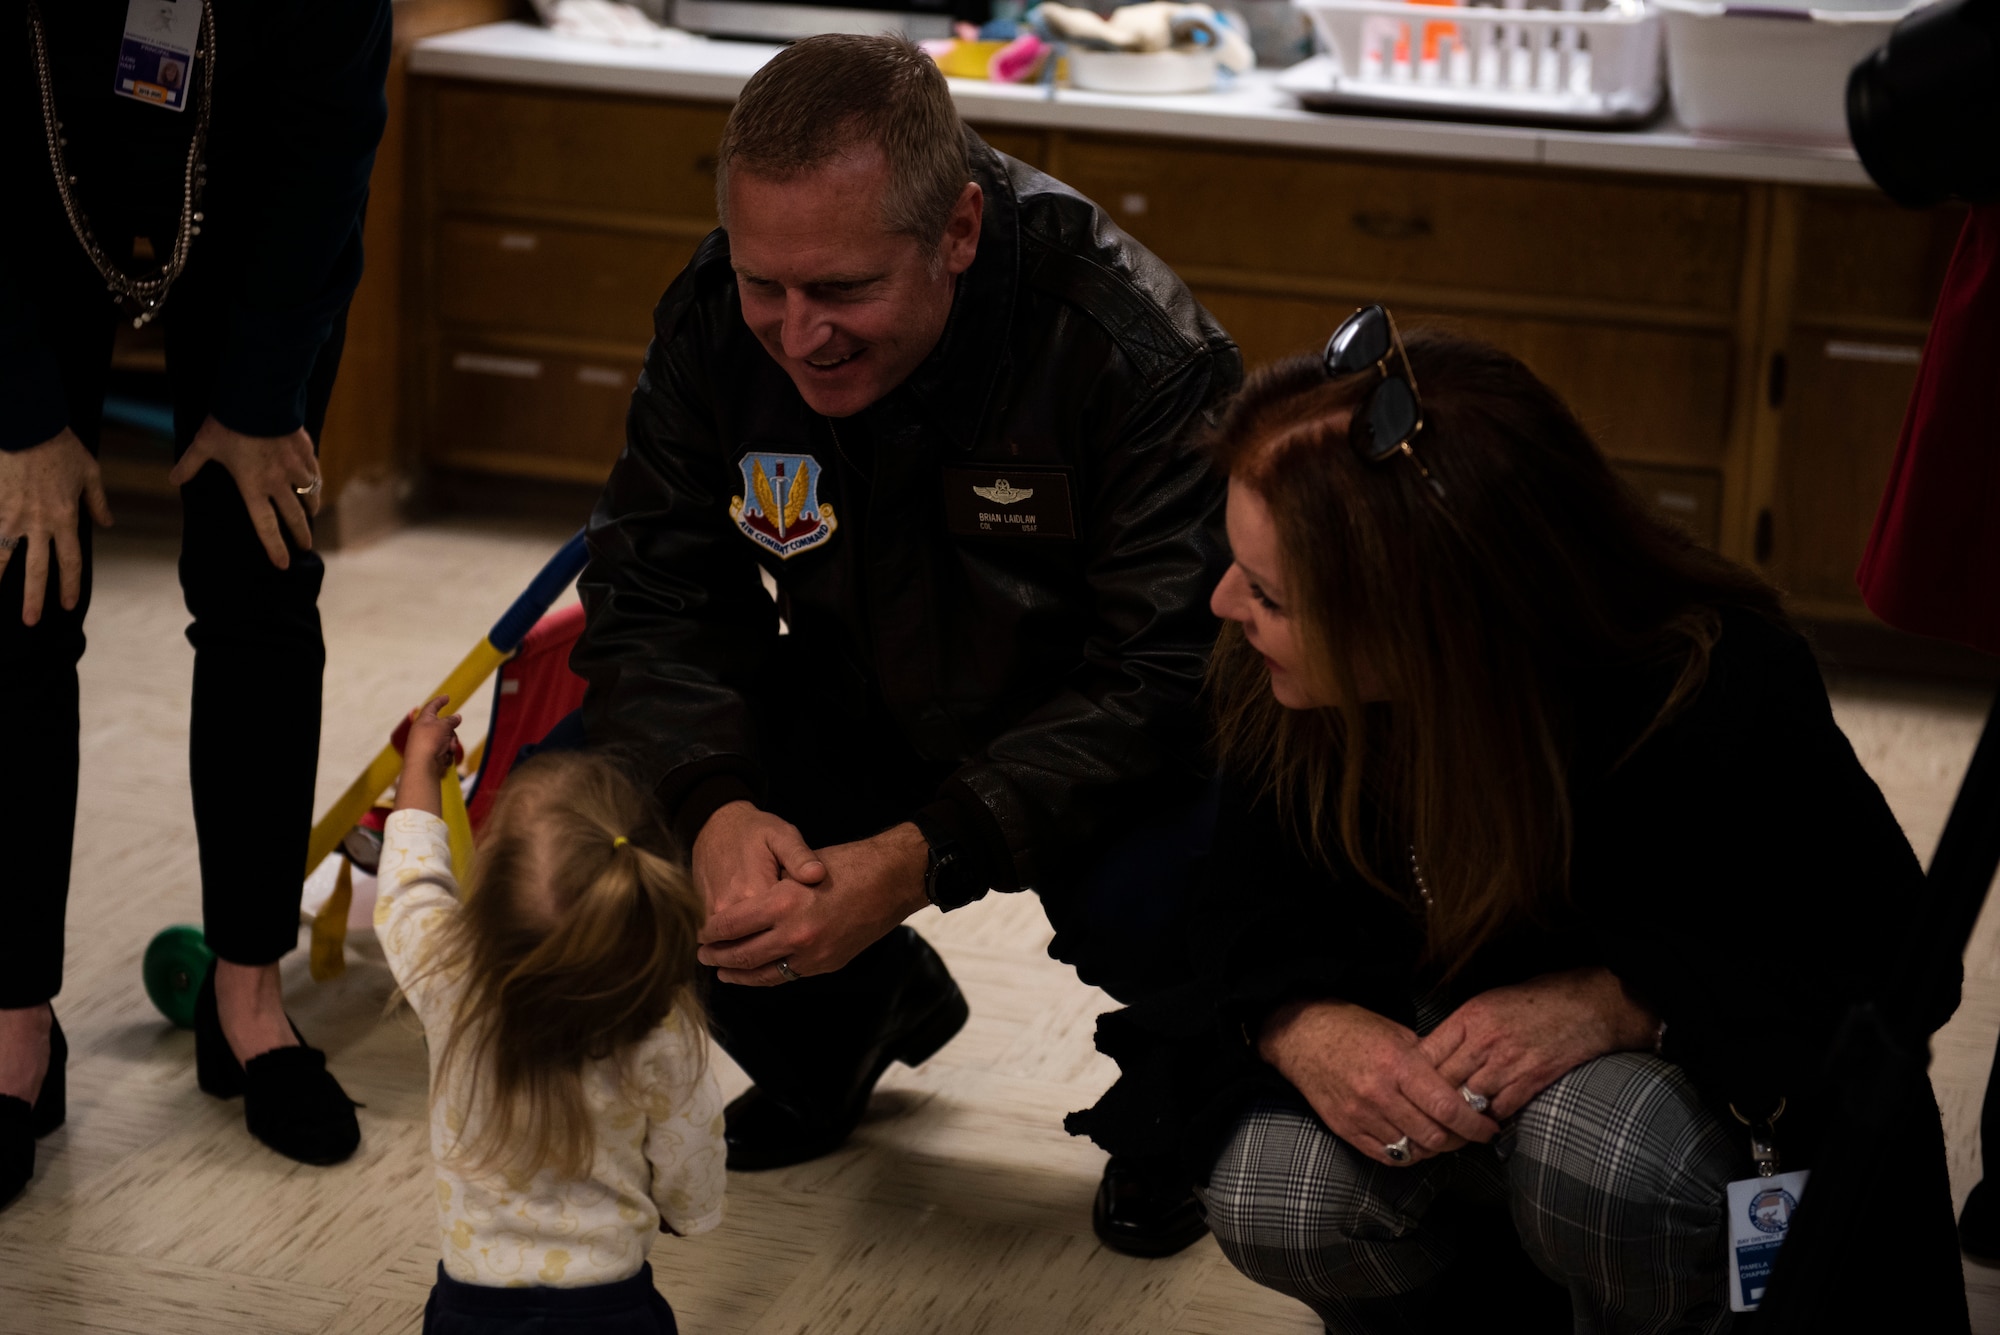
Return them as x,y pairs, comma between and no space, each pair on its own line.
1008,502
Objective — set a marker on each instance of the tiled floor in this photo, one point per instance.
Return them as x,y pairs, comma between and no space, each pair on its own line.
960,1207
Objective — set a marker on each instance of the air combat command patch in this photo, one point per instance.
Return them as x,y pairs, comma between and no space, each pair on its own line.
782,513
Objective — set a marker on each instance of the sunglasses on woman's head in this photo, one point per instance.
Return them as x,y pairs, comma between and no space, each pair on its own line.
1389,415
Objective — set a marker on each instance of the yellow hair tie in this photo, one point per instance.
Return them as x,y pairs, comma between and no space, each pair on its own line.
620,842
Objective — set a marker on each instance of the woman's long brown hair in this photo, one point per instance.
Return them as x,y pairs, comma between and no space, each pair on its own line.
1479,616
576,940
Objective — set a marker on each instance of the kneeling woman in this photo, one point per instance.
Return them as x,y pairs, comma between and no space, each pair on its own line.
1540,851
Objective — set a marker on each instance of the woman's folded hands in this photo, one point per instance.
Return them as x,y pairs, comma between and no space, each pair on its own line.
1373,1081
1511,1043
1368,1079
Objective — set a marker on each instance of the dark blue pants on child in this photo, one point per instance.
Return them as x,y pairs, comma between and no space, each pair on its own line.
625,1307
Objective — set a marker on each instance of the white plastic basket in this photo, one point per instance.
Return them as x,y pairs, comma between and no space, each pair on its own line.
1582,60
1773,70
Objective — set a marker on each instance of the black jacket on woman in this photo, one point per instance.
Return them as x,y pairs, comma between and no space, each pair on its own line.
1739,871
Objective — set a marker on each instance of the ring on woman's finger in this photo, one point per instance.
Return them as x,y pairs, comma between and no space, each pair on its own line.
1480,1103
785,968
1398,1151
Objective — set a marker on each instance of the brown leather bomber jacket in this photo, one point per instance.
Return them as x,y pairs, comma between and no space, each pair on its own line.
994,582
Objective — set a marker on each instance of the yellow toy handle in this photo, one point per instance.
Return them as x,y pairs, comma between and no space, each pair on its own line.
351,805
458,824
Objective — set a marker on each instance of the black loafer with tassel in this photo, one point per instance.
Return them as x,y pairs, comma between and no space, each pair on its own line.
290,1101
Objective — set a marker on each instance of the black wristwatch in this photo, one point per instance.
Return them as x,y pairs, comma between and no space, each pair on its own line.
951,879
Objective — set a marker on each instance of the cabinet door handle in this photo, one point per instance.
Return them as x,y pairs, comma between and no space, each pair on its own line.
1392,226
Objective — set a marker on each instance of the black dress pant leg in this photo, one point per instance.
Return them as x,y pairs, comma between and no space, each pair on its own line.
253,744
803,1043
38,688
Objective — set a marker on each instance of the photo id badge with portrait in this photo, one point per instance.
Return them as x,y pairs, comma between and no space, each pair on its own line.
156,59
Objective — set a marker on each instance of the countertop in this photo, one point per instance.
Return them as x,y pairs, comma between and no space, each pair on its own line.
1251,111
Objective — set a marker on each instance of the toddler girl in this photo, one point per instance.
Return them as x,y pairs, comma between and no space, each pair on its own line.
572,1110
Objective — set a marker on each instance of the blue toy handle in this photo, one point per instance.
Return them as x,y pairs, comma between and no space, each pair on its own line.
515,623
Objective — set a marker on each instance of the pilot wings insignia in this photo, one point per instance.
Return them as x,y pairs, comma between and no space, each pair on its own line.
783,513
1003,492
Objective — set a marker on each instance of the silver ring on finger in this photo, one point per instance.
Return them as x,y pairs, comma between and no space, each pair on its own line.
785,968
1480,1103
310,489
1398,1151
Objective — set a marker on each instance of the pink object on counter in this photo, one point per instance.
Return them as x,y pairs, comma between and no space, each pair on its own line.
1019,60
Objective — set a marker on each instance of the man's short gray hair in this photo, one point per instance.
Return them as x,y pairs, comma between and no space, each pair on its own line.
825,96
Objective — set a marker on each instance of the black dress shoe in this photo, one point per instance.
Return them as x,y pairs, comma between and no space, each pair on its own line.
23,1123
1145,1209
763,1133
290,1101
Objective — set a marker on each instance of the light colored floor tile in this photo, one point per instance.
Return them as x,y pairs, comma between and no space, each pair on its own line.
67,1291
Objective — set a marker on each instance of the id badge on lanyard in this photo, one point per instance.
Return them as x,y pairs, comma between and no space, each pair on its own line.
156,58
1760,1211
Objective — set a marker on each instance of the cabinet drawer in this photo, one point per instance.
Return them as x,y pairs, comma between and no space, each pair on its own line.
1646,394
1668,244
1861,256
528,414
568,150
1843,410
556,280
1026,145
1690,497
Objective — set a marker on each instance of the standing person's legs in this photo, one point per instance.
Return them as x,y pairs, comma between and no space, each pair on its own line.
253,752
259,656
38,689
1618,1174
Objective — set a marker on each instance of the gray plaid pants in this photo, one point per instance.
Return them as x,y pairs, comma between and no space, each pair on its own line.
1614,1176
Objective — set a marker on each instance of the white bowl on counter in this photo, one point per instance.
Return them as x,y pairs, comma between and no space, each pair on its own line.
1772,69
1142,72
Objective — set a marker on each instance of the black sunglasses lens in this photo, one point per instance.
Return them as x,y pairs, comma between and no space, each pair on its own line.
1359,343
1391,416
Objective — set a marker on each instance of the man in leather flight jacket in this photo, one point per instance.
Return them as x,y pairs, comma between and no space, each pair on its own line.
899,590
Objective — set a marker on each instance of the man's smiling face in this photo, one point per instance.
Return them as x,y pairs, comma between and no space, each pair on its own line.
846,306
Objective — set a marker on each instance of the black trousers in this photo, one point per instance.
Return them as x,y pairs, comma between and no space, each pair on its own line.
1114,921
1113,914
624,1307
254,730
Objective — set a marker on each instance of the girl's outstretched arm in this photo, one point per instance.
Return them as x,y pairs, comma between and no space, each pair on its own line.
427,752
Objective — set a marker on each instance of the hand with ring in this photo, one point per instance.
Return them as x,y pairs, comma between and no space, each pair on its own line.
1368,1080
1516,1041
277,475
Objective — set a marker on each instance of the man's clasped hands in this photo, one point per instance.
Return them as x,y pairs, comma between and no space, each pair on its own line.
772,898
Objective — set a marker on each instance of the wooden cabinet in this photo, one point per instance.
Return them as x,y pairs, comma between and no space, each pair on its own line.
1742,350
1839,366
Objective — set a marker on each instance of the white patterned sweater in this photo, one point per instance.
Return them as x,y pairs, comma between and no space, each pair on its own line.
657,1116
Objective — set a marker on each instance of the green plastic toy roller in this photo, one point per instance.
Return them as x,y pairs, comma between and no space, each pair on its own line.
176,963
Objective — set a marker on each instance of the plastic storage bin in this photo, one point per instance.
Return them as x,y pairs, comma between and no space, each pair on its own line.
1141,72
1774,70
1578,60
